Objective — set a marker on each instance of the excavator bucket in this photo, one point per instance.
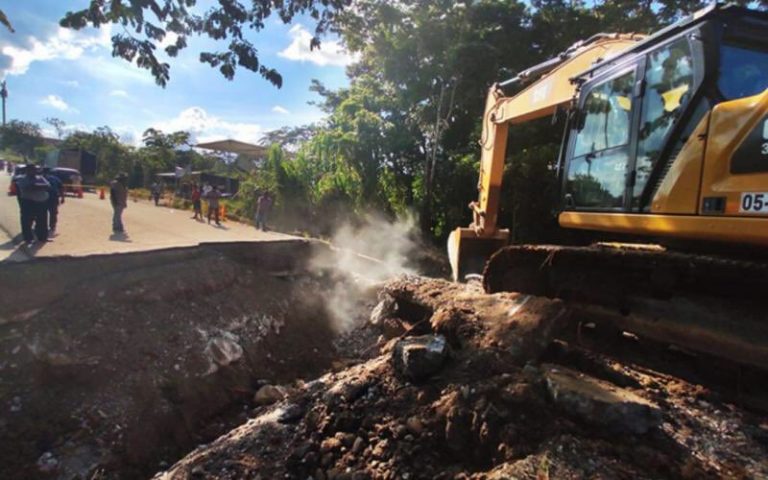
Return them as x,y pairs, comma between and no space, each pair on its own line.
468,251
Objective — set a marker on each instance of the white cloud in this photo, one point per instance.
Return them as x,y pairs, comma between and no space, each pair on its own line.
329,53
56,102
205,127
119,93
65,43
115,71
280,110
71,83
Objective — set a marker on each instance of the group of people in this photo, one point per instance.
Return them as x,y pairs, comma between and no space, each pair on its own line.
118,195
212,194
39,194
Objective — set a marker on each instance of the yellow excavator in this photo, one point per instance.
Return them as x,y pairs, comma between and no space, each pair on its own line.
666,141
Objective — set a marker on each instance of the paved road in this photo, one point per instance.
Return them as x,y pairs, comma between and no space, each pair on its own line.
85,227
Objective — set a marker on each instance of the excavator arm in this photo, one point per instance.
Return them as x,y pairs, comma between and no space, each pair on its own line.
469,248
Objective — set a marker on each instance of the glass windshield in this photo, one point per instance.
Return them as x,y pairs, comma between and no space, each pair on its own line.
607,110
743,71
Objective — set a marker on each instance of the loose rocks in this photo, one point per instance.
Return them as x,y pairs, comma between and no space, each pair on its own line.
417,358
268,394
599,402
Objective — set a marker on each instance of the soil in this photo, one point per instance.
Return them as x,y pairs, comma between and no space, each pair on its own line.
130,361
486,414
236,362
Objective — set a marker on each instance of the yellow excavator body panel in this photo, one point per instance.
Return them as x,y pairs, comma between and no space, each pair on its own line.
731,123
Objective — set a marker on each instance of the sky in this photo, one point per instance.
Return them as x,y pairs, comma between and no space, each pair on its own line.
71,75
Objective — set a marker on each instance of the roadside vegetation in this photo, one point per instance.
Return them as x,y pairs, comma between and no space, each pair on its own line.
403,136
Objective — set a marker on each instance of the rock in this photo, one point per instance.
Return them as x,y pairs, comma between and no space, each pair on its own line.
222,350
358,446
330,444
599,402
417,358
47,463
386,308
291,413
414,425
380,449
268,394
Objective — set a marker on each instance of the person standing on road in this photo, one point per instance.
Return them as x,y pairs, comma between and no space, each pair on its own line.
263,207
213,204
118,197
156,193
33,203
196,204
55,196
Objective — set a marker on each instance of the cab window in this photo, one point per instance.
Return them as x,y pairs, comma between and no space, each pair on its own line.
743,71
597,170
668,87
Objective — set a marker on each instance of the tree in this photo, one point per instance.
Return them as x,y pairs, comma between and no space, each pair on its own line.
57,125
146,23
21,137
112,157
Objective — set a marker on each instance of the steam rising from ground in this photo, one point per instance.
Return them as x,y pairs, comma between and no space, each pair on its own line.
362,257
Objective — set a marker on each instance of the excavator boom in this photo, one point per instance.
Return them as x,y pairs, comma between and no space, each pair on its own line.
552,87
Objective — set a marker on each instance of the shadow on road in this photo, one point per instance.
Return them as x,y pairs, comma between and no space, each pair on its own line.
119,237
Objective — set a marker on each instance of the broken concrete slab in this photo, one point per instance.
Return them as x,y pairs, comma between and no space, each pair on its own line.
599,402
418,358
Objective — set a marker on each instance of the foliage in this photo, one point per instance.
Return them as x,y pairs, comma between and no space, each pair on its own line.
4,20
57,124
21,137
146,23
408,123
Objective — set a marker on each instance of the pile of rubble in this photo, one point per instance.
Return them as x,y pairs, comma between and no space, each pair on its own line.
461,384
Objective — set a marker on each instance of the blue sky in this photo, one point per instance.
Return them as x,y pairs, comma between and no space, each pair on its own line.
55,72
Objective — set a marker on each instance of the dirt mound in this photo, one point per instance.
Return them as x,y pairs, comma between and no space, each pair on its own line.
121,363
483,406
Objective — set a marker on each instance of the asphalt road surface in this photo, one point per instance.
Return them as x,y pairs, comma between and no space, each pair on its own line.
85,228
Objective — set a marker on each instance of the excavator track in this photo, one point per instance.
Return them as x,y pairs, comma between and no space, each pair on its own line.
711,304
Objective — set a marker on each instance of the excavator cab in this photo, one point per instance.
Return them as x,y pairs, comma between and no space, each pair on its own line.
654,149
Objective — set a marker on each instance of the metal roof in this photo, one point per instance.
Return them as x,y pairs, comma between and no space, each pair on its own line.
235,146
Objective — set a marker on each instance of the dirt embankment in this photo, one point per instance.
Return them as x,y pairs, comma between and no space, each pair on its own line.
117,365
470,386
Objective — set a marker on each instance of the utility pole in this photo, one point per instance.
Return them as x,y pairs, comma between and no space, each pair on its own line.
4,94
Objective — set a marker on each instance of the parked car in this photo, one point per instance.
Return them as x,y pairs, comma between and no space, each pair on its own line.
71,178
